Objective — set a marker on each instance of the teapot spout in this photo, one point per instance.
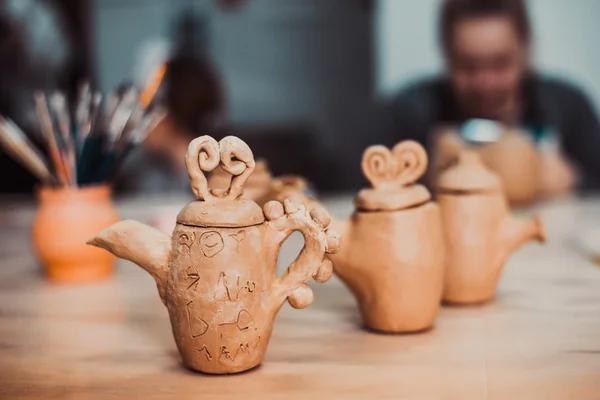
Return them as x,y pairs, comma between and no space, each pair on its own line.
521,231
146,246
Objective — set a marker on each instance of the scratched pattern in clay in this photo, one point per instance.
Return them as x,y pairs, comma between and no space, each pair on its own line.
193,276
187,241
211,243
228,292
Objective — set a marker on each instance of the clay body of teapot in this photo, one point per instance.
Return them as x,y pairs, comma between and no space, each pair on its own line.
262,186
392,254
217,273
479,232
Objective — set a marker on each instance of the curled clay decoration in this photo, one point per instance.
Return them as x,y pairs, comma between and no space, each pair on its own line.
236,159
378,165
205,154
202,155
401,166
411,162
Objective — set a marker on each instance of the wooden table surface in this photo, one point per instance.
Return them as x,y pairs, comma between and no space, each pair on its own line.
540,338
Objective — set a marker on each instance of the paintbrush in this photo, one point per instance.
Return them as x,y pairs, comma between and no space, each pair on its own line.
114,160
152,86
148,123
49,135
89,123
16,143
90,148
125,107
132,124
58,104
82,111
123,112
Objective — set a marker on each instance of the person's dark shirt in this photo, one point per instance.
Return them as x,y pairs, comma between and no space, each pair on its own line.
418,109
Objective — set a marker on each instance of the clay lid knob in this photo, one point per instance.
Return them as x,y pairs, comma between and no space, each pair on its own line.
205,154
222,207
392,174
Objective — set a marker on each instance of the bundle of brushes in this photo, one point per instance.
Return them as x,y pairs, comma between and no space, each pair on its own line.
86,140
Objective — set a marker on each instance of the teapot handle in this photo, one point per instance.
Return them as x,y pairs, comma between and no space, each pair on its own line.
283,220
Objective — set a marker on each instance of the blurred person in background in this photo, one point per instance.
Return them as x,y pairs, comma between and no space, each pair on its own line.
194,102
486,46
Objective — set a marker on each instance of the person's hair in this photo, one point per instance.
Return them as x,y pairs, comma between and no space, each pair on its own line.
193,94
455,11
194,91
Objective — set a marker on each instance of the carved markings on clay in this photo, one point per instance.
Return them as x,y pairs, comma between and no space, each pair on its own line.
243,348
211,243
187,241
197,325
238,237
193,276
244,321
225,292
206,352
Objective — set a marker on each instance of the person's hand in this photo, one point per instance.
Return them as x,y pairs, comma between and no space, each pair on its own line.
556,177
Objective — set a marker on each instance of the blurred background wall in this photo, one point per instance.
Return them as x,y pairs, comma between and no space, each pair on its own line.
406,41
325,64
284,62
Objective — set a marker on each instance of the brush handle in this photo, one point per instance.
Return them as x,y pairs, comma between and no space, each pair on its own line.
90,158
105,168
120,159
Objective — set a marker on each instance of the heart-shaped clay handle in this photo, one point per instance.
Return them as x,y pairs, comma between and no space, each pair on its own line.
205,154
402,166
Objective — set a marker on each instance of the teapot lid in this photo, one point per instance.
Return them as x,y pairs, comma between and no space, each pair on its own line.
469,174
392,174
220,207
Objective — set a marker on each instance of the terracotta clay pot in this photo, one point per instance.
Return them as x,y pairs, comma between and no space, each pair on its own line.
65,219
513,158
479,231
392,252
216,273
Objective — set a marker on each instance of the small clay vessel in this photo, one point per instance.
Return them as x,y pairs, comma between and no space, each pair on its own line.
512,157
262,186
217,273
65,219
515,160
479,232
392,255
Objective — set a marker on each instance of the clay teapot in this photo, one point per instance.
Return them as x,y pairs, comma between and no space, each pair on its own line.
515,160
262,186
479,232
512,156
217,273
392,255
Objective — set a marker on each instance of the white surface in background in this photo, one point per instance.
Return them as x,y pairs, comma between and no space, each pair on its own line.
565,41
406,42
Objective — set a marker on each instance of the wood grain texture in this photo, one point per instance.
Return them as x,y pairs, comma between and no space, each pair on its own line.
540,338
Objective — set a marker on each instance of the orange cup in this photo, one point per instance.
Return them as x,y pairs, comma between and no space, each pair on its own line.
65,219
